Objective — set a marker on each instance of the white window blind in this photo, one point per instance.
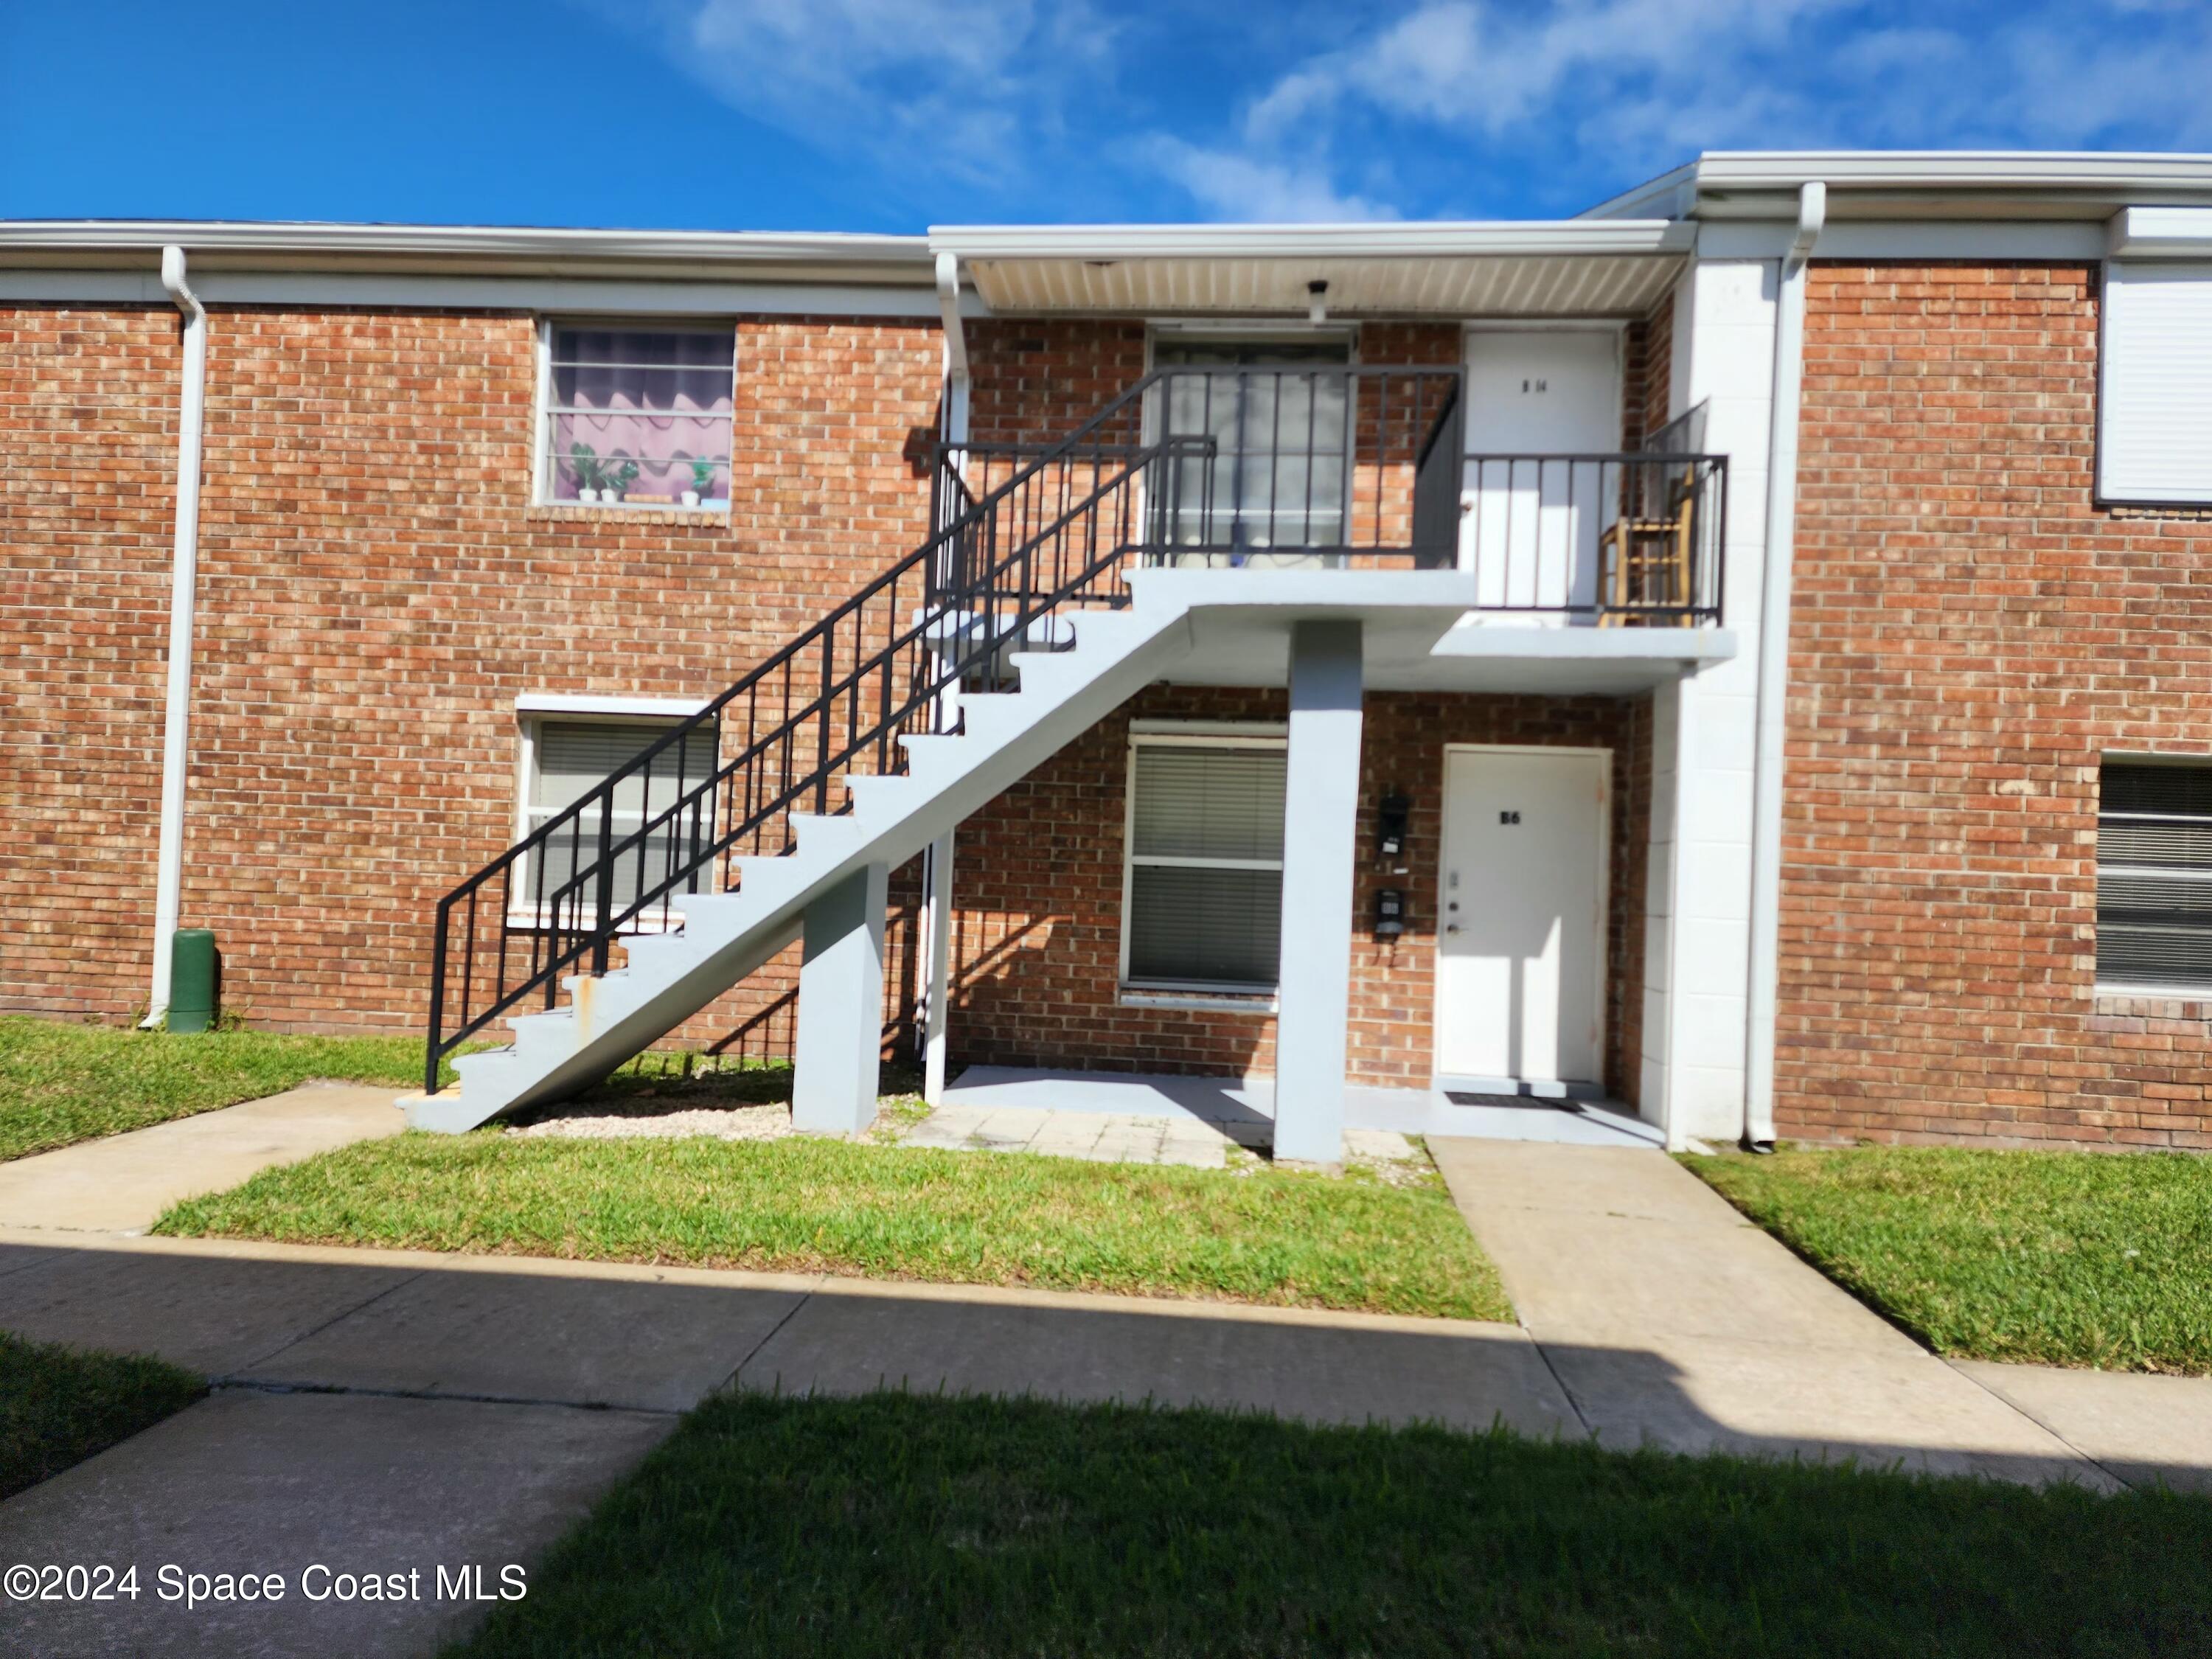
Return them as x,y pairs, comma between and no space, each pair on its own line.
1206,866
571,758
2155,405
2154,876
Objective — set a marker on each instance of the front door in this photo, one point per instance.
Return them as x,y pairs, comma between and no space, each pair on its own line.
1520,948
1536,398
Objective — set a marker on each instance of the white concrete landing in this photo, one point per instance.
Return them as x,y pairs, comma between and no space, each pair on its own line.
1243,1108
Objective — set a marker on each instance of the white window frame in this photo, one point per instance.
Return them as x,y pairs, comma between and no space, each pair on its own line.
2100,986
531,711
1190,734
541,446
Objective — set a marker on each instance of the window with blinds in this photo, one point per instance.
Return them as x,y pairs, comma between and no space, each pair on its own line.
2154,395
569,759
1205,877
2154,876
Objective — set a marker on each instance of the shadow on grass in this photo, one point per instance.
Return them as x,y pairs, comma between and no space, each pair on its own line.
905,1523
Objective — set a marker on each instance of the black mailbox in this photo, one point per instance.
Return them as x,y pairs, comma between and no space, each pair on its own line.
1391,815
1389,912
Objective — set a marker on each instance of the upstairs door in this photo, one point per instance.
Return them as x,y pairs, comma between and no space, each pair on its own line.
1535,397
1521,952
1277,413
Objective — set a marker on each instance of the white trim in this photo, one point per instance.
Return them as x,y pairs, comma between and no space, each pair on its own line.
1416,240
565,703
488,241
1602,980
2152,993
2063,241
1251,732
1262,1002
2159,233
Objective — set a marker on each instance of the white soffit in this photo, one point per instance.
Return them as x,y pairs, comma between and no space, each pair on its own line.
1461,269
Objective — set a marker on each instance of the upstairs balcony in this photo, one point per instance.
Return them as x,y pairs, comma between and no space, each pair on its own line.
1360,466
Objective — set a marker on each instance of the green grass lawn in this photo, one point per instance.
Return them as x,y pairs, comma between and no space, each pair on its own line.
802,1204
62,1083
59,1406
2050,1258
900,1524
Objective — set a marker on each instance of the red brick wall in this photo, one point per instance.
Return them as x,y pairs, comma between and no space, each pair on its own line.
87,424
1038,893
375,589
1971,634
1648,376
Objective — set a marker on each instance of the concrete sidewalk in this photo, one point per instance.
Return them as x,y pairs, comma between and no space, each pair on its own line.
1670,1319
123,1182
381,1411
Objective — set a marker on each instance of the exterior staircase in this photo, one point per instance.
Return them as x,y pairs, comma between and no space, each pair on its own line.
1069,677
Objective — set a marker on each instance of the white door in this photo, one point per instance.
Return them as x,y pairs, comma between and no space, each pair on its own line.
1520,948
1533,532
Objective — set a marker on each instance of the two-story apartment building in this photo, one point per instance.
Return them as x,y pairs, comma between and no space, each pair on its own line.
1739,652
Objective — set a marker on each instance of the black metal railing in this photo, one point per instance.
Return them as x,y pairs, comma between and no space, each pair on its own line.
1017,537
1623,539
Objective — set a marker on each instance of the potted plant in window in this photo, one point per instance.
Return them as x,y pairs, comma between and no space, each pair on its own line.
615,481
589,474
702,480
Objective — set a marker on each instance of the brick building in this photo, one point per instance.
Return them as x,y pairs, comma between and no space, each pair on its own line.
1733,655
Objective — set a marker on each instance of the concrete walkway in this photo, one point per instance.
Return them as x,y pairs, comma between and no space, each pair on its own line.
1670,1319
122,1182
382,1411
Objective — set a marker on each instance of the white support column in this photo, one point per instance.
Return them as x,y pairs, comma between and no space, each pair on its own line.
1320,814
841,1006
936,965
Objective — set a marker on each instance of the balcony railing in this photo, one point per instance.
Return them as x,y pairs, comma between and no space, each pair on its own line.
1633,539
1361,466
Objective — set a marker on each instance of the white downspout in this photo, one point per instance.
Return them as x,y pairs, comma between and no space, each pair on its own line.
1774,672
183,575
937,866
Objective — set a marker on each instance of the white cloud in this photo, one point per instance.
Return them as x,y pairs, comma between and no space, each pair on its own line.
1229,185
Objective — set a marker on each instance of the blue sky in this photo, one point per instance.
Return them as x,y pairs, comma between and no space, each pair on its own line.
895,114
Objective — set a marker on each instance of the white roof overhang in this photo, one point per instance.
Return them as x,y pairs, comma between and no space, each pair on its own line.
1562,268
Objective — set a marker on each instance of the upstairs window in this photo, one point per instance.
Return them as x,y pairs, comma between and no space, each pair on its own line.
1203,889
2154,878
637,416
2154,396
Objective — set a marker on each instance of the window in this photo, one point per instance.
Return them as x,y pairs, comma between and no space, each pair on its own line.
565,758
2154,876
1281,463
638,417
2154,402
1203,889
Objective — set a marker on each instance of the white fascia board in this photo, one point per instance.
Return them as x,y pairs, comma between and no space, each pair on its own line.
559,702
2159,233
1453,239
475,242
1967,169
576,295
2062,239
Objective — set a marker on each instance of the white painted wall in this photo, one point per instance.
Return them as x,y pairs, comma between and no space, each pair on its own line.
1697,902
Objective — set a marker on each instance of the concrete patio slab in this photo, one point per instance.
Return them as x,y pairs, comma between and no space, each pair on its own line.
1465,1375
2148,1430
210,1316
574,1340
123,1182
280,1483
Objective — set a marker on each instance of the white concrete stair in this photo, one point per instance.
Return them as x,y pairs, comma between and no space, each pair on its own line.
1064,689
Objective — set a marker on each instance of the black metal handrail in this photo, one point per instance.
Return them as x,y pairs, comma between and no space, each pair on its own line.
1624,539
1057,530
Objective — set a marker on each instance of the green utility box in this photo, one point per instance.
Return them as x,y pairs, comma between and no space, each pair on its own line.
195,981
